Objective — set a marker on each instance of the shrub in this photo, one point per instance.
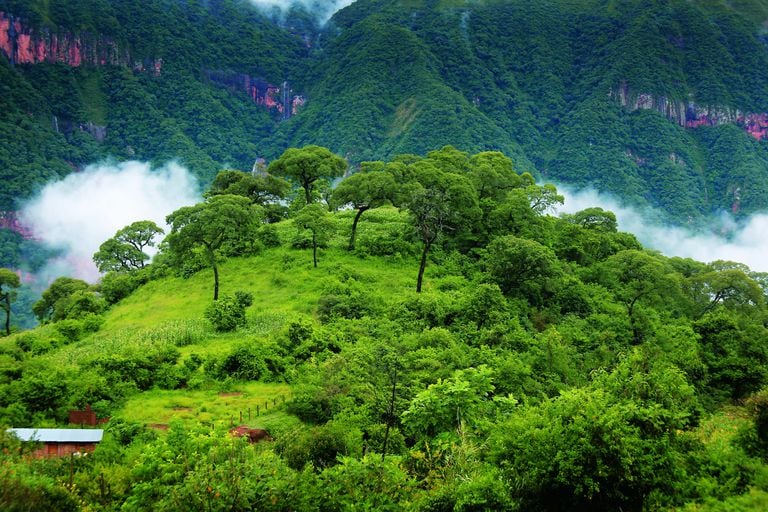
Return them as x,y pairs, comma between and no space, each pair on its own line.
269,236
228,312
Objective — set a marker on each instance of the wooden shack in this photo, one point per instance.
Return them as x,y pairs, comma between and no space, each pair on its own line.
60,442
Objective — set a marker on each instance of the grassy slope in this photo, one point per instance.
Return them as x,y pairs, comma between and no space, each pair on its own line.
284,285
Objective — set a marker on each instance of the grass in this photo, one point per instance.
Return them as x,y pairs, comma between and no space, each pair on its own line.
169,312
159,407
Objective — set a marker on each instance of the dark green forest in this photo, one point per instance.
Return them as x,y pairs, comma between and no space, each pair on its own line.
425,336
593,94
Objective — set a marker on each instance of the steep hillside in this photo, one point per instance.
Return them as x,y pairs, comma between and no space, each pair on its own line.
169,80
624,96
548,363
661,103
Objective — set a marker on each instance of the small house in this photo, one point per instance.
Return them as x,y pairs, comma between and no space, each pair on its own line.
60,442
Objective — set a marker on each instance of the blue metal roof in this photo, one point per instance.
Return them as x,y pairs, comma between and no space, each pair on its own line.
59,435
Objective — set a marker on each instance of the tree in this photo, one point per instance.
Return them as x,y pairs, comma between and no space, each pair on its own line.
439,202
520,266
307,165
264,190
125,251
593,218
9,281
493,175
636,276
364,190
314,217
210,226
55,300
727,283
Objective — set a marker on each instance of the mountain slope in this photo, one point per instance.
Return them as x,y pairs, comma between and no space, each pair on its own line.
628,97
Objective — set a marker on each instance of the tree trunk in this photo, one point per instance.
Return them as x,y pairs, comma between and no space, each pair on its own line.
422,266
314,249
212,260
215,282
354,229
308,192
8,314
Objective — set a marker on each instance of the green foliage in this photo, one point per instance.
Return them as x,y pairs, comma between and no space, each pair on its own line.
228,312
548,364
223,222
307,165
68,298
125,251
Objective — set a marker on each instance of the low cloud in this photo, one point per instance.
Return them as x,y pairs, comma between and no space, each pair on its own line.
322,9
744,242
78,213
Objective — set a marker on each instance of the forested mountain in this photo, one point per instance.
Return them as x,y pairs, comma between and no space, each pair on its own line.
661,103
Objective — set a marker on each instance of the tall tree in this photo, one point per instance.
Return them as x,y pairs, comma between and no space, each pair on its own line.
264,189
9,281
307,165
125,250
438,202
210,225
314,217
363,191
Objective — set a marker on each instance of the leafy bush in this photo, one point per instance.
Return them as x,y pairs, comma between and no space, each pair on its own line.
268,235
228,312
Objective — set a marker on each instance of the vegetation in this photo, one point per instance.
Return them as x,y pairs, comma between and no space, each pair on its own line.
545,363
564,94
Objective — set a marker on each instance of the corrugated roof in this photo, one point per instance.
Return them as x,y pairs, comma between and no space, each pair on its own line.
59,435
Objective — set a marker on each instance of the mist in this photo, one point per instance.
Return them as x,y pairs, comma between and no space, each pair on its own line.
75,215
322,9
745,242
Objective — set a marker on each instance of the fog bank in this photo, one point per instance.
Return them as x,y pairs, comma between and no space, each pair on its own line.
78,213
745,242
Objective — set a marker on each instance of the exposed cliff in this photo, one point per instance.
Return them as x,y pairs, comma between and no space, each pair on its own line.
689,114
10,220
279,99
22,44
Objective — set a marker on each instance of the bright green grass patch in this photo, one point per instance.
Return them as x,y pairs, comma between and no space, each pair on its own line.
282,281
159,407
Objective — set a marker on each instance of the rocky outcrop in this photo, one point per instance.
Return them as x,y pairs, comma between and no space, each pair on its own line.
278,99
673,110
22,44
10,220
690,114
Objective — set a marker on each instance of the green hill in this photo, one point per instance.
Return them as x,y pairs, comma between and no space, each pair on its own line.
548,363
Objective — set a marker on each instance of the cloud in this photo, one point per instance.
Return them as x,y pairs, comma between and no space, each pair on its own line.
322,9
78,213
745,242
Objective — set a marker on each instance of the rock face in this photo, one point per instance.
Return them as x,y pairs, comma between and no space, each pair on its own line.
10,220
272,97
691,115
25,45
